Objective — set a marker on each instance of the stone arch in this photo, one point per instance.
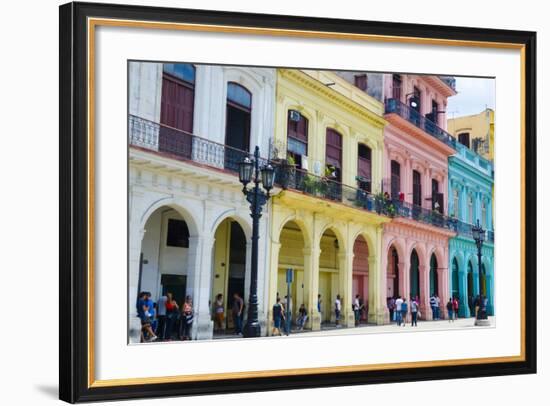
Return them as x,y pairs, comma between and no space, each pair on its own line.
301,224
340,235
192,219
244,222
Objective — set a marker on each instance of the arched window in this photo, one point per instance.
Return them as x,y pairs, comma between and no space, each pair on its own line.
364,167
297,138
237,130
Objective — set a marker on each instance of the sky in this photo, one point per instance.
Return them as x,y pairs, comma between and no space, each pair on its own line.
474,95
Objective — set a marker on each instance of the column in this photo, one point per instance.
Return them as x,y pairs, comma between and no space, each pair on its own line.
247,277
407,180
405,276
345,273
427,189
463,308
198,285
311,285
444,289
424,304
272,275
134,255
378,309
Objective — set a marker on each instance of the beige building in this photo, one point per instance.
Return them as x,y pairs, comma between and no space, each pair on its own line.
475,131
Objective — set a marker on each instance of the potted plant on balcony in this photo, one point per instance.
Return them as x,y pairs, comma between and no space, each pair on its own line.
314,185
287,172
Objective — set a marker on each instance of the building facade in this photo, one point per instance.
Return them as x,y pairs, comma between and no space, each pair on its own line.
471,200
417,147
189,223
476,132
324,225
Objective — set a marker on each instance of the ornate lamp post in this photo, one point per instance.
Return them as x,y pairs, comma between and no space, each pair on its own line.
479,237
249,171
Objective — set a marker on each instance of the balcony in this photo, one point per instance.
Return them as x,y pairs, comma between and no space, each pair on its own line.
449,81
183,146
464,229
472,158
414,117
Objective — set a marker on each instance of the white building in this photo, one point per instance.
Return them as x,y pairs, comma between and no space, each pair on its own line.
189,223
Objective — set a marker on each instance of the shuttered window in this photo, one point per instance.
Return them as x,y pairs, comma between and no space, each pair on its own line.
417,189
334,149
297,133
364,165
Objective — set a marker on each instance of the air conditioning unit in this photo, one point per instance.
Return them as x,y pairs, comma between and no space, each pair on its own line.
295,115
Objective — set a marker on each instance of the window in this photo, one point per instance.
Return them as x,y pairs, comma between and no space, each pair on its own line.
237,128
396,87
177,109
464,139
483,215
296,136
470,210
432,116
456,204
395,179
333,154
239,95
417,189
417,94
182,71
178,234
437,198
364,166
361,82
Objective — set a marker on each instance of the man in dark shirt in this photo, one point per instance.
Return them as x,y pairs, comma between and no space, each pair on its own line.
237,312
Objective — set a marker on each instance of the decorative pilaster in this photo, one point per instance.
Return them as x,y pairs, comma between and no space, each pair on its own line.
345,272
311,284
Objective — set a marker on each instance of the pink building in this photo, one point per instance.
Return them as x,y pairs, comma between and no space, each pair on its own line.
415,243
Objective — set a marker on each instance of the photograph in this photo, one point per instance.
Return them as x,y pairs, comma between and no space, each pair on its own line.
285,202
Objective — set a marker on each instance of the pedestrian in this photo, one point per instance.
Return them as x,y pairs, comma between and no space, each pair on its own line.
450,310
437,307
287,308
404,311
414,313
391,308
237,313
433,306
477,303
455,308
357,309
172,315
302,317
161,316
278,316
319,302
398,314
337,310
219,313
186,320
144,313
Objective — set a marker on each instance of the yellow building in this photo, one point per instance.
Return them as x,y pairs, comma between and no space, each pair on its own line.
475,131
324,226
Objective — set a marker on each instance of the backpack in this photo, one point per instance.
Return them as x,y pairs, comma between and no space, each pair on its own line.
404,307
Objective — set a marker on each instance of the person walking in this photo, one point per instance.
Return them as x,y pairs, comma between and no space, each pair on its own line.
171,315
398,314
404,311
450,310
455,308
144,314
219,313
438,307
302,317
319,306
337,310
391,308
278,317
161,316
237,313
357,309
414,313
433,306
186,319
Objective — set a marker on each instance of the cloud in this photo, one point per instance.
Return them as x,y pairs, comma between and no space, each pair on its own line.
474,95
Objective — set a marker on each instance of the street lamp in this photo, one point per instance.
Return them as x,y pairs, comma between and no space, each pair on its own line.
478,234
249,171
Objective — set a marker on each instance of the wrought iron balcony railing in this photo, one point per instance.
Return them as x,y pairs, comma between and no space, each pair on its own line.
449,81
414,117
184,146
464,229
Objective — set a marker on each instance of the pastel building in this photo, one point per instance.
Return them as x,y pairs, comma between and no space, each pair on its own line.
189,223
475,131
470,188
329,139
415,246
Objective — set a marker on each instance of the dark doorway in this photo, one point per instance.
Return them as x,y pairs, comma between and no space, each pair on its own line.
464,139
237,130
394,270
237,266
455,290
433,276
471,296
395,179
364,167
415,275
396,87
175,284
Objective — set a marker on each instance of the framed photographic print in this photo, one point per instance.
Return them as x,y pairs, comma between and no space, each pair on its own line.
257,202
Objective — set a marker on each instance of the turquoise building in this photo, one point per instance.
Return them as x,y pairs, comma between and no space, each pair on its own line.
471,179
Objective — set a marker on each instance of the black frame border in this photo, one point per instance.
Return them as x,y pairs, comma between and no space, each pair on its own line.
73,243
